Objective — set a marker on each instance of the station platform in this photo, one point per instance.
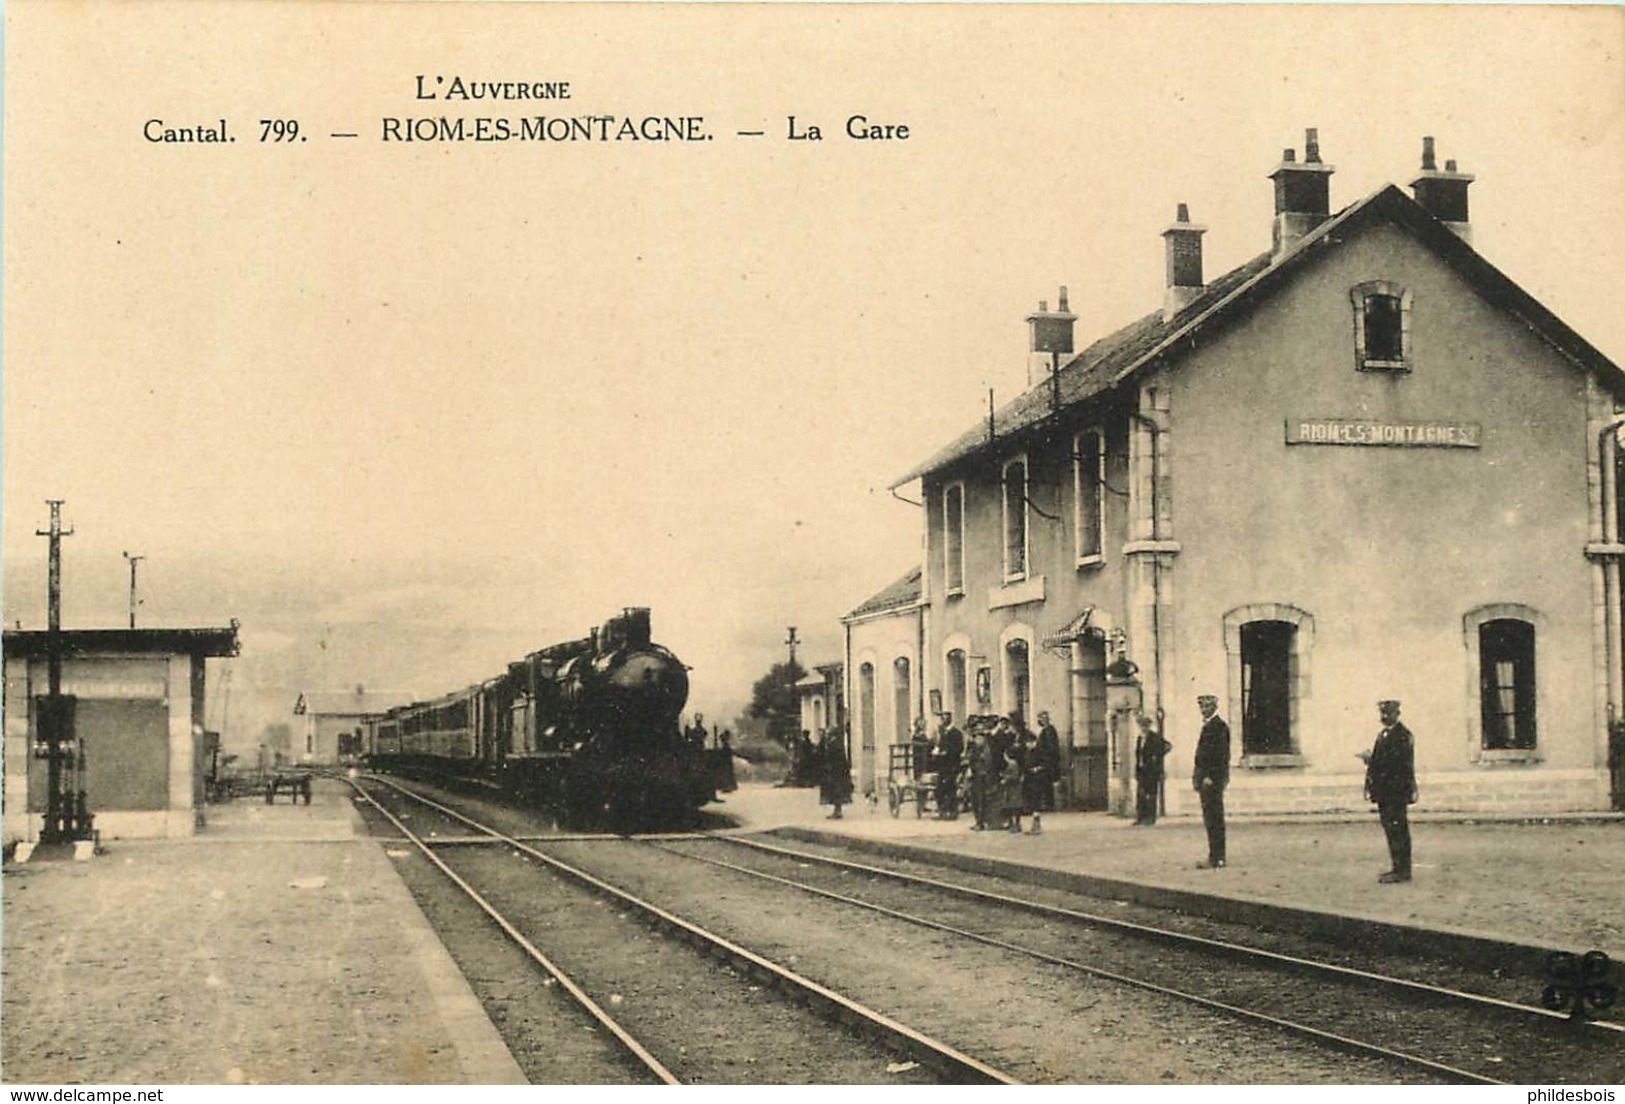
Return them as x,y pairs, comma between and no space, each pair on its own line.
277,946
1554,883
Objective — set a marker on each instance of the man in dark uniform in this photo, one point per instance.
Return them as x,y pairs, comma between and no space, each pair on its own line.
1390,781
1211,775
984,764
1048,760
950,753
1149,751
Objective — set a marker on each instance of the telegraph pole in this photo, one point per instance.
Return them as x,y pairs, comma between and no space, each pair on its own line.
133,603
791,642
63,815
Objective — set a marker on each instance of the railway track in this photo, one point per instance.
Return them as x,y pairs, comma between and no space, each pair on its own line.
926,1058
1434,1032
1490,1041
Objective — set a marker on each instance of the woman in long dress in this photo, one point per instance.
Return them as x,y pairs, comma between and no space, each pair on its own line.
835,781
1013,782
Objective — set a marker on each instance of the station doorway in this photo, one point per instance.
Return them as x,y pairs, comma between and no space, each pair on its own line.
1266,687
1088,771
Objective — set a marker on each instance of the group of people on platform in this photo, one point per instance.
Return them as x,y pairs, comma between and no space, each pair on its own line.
1004,772
1012,772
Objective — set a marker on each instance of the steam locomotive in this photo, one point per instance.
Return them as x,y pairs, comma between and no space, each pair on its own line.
588,729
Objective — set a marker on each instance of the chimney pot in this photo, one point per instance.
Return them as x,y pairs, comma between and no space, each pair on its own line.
1443,194
1302,194
1183,249
1049,339
1289,156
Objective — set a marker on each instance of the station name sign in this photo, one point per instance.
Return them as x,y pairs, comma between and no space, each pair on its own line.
1351,431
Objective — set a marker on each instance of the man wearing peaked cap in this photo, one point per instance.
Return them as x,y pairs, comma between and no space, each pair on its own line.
1211,775
1390,782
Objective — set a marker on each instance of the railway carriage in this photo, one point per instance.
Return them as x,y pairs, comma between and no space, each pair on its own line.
380,737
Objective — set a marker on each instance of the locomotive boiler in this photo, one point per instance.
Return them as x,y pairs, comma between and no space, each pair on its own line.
589,729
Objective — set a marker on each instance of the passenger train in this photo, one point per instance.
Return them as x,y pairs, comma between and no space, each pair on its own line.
588,729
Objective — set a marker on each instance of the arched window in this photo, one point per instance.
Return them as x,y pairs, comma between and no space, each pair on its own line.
1089,491
1266,687
953,539
902,686
866,706
1269,646
957,685
1507,693
1018,678
1500,644
1382,326
1015,519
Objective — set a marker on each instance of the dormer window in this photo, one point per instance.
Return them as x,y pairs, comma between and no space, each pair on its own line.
1382,327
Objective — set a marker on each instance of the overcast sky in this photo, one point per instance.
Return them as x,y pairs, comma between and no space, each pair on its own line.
409,411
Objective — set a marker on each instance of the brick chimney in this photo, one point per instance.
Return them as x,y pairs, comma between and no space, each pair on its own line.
1302,193
1183,242
1050,339
1443,194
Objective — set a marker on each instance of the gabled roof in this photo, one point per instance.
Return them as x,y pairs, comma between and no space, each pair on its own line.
342,703
1120,355
899,595
821,676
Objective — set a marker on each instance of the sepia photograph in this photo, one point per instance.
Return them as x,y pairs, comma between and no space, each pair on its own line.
587,545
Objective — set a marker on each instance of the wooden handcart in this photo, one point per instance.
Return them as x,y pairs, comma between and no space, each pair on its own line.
906,787
295,784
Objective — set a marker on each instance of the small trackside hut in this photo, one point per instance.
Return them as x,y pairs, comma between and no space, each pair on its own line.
137,707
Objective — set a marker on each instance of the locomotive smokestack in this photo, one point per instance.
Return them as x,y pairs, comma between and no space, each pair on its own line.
637,632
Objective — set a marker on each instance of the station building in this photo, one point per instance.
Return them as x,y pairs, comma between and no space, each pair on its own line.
1364,464
138,716
885,684
332,725
821,698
